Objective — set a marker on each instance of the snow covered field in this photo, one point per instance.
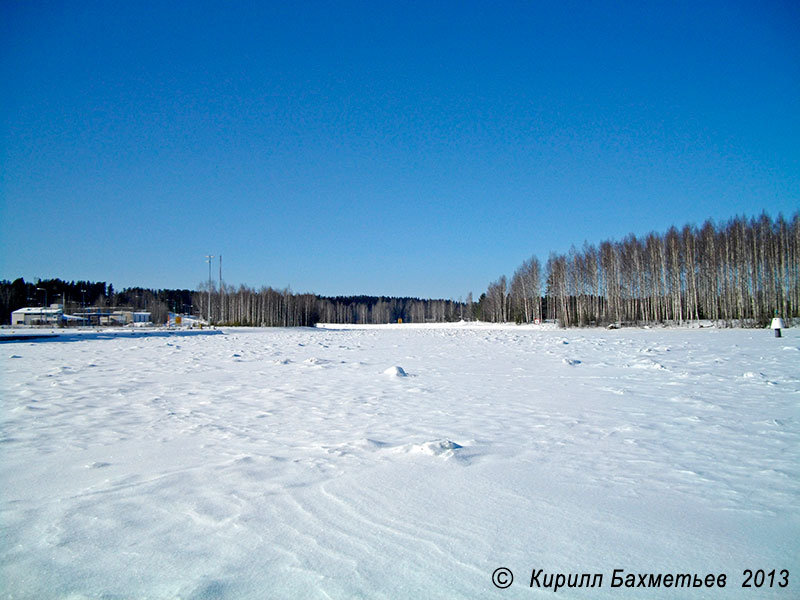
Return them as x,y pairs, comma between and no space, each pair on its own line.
300,464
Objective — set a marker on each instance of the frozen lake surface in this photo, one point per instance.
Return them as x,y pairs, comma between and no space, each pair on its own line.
397,462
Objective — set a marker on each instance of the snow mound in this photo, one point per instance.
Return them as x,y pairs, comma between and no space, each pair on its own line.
357,447
314,361
443,448
370,444
571,361
440,446
395,372
752,375
647,364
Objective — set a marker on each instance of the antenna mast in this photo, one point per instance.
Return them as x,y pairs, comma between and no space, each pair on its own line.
209,259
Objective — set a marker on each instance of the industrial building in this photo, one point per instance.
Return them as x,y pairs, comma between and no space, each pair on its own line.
35,316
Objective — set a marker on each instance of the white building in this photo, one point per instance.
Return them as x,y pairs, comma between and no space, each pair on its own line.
34,315
37,315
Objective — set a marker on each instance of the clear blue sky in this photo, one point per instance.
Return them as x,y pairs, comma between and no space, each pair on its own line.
395,148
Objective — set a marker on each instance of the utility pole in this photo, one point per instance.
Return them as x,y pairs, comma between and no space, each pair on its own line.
209,259
221,299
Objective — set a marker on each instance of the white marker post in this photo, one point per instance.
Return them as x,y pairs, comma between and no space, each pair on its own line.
777,325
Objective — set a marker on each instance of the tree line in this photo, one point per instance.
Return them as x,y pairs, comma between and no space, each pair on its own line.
738,272
242,306
268,307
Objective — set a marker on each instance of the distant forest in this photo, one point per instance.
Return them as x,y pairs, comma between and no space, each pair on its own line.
738,273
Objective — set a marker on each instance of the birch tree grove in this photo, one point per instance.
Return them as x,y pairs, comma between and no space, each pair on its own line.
282,308
262,308
526,292
739,272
